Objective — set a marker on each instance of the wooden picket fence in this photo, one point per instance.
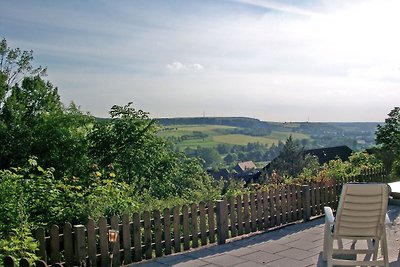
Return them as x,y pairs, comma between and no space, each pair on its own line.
143,236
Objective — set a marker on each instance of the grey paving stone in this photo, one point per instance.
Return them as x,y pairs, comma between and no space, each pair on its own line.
296,254
311,236
279,234
241,251
244,242
316,260
302,244
192,263
286,262
250,264
261,257
151,263
224,260
317,249
202,253
170,260
270,247
285,240
222,248
314,237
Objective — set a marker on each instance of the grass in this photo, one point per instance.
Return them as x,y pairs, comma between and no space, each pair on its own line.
217,134
179,130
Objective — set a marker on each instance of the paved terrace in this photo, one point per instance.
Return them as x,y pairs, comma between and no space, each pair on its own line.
295,245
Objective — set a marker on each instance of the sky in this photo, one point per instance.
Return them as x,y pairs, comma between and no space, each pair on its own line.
271,60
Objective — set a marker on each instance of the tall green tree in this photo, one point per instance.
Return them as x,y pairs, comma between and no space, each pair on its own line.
16,64
388,137
291,160
33,120
21,114
130,144
388,134
19,104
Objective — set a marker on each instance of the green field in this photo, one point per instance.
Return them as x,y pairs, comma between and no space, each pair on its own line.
219,134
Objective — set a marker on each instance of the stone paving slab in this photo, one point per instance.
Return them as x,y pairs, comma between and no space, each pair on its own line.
296,245
261,257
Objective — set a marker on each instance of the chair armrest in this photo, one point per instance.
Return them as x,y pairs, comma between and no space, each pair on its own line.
329,215
388,223
387,220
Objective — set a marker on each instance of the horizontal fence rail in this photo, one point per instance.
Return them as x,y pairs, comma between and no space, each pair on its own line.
143,236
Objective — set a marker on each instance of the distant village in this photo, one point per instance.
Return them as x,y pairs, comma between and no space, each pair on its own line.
248,172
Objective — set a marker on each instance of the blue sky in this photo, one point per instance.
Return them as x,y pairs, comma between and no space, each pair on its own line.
271,60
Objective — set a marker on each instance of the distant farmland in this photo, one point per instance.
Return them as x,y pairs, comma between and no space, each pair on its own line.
212,135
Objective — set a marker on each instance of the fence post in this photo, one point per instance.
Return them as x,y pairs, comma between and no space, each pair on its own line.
306,202
80,245
222,221
42,264
40,236
24,262
9,261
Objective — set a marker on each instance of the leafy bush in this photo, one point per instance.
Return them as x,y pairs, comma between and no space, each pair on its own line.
15,230
20,243
110,198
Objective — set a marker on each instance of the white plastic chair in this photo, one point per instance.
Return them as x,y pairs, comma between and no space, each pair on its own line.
361,215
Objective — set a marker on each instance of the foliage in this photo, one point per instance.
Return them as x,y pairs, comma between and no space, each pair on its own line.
40,192
29,190
16,64
362,161
15,229
235,187
388,136
34,115
311,170
141,158
209,155
126,142
20,114
33,121
10,200
291,160
338,169
109,197
20,244
230,159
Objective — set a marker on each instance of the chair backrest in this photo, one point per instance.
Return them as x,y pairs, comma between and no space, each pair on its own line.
362,210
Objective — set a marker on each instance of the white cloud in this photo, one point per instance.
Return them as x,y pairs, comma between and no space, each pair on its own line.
274,5
181,67
385,72
176,66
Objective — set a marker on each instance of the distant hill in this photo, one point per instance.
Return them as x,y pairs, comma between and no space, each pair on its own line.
357,126
239,130
357,135
302,127
227,121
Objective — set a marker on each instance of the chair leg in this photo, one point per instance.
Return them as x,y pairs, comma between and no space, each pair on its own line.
326,237
375,243
385,249
353,244
373,246
329,253
340,243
